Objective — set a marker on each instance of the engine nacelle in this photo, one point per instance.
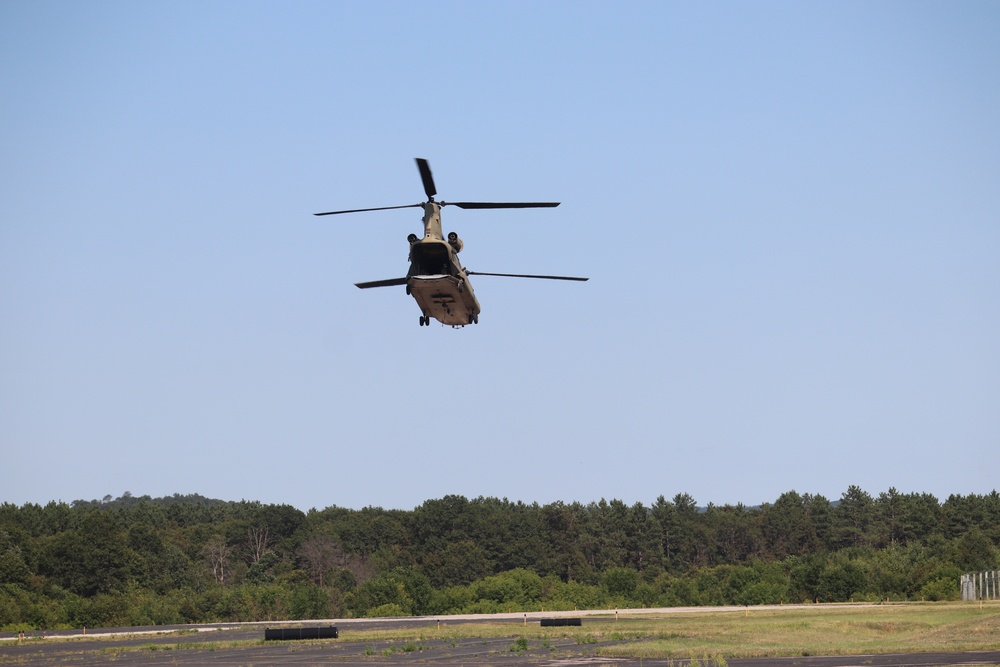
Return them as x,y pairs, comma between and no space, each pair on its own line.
455,242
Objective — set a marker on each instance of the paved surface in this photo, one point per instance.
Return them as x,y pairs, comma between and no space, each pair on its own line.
165,646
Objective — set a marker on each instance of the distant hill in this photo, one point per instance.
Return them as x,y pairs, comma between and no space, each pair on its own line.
127,500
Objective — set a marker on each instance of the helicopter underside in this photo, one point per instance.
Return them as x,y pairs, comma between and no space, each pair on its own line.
448,299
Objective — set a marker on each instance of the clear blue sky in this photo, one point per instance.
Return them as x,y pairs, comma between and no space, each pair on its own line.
789,212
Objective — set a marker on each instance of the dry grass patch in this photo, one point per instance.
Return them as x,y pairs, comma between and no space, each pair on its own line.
842,631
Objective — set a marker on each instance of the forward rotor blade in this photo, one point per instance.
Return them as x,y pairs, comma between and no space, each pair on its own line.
425,176
486,204
391,282
362,210
524,275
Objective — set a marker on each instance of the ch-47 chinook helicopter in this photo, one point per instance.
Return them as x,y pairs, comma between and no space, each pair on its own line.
436,279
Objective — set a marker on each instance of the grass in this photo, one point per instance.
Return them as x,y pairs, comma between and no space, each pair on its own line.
684,639
843,631
204,646
846,630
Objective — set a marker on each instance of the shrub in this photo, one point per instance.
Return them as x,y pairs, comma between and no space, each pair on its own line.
386,611
943,588
518,586
620,581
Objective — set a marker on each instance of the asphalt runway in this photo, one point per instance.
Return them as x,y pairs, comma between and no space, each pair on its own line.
133,647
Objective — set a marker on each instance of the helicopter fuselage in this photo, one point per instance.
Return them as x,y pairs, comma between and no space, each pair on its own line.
436,279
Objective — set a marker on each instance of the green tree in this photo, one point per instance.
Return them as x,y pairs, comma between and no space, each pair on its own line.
606,543
664,515
804,573
435,523
685,538
563,556
820,512
460,563
644,549
620,581
960,514
520,539
12,567
786,527
919,518
403,586
840,580
519,587
769,584
974,552
93,559
309,602
735,536
853,518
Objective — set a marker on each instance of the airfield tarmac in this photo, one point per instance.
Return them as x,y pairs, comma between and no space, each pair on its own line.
130,647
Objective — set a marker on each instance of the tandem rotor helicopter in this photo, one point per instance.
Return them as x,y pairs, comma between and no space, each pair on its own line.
436,279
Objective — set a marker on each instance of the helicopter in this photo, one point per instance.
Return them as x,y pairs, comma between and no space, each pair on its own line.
437,280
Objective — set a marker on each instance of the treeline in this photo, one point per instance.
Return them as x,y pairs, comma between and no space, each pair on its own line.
145,561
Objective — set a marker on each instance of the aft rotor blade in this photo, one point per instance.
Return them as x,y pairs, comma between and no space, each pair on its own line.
524,275
391,282
487,204
362,210
425,176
